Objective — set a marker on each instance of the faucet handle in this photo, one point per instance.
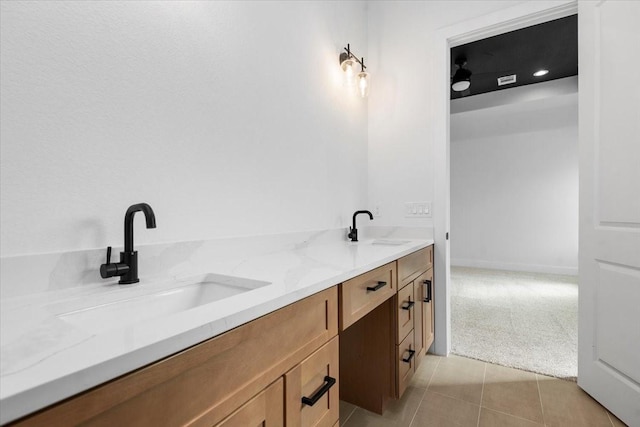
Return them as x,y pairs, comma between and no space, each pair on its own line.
353,234
116,269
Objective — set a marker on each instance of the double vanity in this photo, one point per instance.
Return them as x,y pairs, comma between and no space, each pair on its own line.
276,332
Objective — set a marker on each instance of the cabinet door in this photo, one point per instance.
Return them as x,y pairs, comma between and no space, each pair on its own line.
423,332
265,410
418,329
427,312
312,397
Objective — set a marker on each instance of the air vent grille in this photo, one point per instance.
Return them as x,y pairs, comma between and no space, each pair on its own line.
505,80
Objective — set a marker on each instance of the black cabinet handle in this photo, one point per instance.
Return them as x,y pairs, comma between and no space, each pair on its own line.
411,354
310,401
427,283
409,305
376,287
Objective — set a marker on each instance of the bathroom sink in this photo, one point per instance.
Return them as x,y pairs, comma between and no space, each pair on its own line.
389,242
187,294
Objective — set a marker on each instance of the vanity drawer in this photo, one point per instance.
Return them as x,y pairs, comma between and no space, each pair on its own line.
412,265
406,359
405,308
316,378
362,294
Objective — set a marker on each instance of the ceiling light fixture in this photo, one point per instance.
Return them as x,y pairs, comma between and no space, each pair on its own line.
540,73
462,78
348,63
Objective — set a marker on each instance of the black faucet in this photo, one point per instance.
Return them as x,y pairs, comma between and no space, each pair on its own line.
127,268
353,231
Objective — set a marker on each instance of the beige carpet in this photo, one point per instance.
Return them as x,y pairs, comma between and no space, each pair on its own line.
522,320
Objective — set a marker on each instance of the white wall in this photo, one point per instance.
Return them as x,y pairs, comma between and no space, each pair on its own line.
228,118
401,102
514,186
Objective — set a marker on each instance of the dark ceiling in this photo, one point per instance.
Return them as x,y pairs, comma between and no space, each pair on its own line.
551,45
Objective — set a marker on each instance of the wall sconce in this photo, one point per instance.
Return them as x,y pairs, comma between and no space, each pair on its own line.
348,62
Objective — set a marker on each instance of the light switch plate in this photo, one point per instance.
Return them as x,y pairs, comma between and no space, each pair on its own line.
417,210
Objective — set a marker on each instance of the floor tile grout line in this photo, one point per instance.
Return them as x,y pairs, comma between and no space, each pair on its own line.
425,392
350,414
544,419
484,376
511,415
610,419
486,407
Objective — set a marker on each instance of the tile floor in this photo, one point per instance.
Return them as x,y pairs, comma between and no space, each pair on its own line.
456,391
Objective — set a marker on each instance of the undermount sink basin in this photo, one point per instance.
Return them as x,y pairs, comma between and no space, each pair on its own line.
186,295
389,242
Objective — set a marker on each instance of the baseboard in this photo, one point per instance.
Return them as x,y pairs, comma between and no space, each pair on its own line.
533,268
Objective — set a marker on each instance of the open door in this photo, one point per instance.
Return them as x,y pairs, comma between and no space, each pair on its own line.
609,261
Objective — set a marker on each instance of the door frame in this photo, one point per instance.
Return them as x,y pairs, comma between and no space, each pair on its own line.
509,19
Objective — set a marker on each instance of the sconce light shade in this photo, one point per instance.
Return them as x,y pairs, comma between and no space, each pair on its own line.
348,62
461,80
364,83
348,65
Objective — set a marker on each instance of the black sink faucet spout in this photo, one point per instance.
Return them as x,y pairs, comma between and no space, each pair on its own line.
353,231
128,223
127,268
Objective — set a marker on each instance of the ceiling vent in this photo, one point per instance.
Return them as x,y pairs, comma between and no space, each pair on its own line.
506,80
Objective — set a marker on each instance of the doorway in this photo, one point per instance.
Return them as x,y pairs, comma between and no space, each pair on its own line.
521,16
514,198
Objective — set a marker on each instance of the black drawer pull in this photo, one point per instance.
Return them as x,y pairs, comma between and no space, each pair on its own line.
409,305
411,354
427,283
376,287
310,401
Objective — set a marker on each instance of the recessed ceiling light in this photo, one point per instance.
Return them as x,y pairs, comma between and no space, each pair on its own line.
540,73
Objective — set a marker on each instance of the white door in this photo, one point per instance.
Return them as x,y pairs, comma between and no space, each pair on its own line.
609,265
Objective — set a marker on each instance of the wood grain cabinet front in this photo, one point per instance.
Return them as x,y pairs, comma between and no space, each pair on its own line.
414,264
360,295
405,310
312,389
265,410
415,273
426,285
405,363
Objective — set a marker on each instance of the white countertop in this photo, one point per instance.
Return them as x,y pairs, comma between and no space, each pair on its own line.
45,359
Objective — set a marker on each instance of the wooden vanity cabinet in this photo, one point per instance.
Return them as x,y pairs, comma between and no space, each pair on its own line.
288,367
239,378
384,335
